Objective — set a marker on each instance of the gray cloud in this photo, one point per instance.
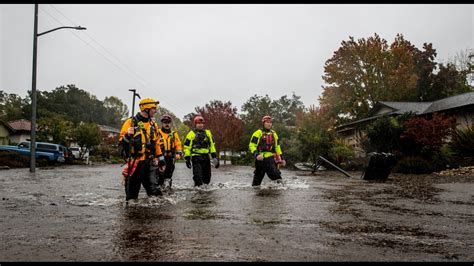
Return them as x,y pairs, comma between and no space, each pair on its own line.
187,55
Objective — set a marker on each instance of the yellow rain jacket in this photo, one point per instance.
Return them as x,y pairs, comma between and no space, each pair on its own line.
145,132
265,143
170,143
199,143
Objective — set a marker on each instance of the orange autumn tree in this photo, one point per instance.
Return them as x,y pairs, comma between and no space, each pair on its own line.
364,71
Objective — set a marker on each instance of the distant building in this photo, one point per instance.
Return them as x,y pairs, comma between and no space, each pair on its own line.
5,131
22,129
460,106
109,132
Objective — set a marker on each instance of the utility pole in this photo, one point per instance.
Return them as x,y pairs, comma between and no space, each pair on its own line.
33,96
33,86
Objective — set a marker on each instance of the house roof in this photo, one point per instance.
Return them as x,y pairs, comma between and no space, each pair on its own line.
451,102
403,107
418,108
109,129
430,107
21,124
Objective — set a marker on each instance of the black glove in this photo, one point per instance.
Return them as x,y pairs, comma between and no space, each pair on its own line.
188,162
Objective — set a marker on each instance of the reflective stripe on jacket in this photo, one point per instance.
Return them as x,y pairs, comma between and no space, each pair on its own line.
193,148
143,129
169,142
255,143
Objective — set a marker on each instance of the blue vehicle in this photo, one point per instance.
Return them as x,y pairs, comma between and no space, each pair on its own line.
49,156
60,152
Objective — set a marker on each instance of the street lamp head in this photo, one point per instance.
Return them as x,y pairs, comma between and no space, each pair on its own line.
80,28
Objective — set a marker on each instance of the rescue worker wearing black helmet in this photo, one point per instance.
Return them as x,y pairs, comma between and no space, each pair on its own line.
199,148
139,138
265,147
171,147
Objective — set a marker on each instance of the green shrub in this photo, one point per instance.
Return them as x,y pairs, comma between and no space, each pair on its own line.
462,142
384,134
413,165
340,153
14,160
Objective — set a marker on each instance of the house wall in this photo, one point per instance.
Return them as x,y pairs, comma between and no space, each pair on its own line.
354,139
17,138
4,135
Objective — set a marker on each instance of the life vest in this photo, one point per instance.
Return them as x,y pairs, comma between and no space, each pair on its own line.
266,142
143,141
167,144
201,140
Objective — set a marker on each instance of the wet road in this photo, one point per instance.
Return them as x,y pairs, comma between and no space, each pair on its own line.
77,213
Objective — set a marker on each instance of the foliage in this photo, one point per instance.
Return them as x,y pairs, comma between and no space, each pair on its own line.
462,142
340,152
384,134
222,119
284,113
80,106
56,127
364,71
87,135
424,164
423,136
11,106
413,165
313,134
116,111
108,147
448,82
15,160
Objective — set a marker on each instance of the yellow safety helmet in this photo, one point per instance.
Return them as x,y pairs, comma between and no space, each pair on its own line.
148,103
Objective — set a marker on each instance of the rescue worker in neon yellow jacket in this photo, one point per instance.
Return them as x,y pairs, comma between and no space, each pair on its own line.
265,147
199,148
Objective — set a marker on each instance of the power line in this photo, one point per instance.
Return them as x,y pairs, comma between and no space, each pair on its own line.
136,76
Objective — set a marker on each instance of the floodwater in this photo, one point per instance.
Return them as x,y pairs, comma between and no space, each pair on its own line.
78,213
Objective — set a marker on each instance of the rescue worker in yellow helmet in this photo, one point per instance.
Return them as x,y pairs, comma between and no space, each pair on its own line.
198,145
140,133
265,147
171,147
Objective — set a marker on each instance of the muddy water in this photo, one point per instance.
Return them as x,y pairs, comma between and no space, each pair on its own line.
77,213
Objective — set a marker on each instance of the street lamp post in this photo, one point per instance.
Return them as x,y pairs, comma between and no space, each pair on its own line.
33,87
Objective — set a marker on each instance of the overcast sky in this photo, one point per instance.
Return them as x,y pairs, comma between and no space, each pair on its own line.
186,55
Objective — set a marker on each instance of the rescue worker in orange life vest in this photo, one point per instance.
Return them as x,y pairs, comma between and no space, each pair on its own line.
198,145
265,147
170,145
140,133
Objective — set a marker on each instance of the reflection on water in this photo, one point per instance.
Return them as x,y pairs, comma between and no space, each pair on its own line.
203,206
141,233
268,206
